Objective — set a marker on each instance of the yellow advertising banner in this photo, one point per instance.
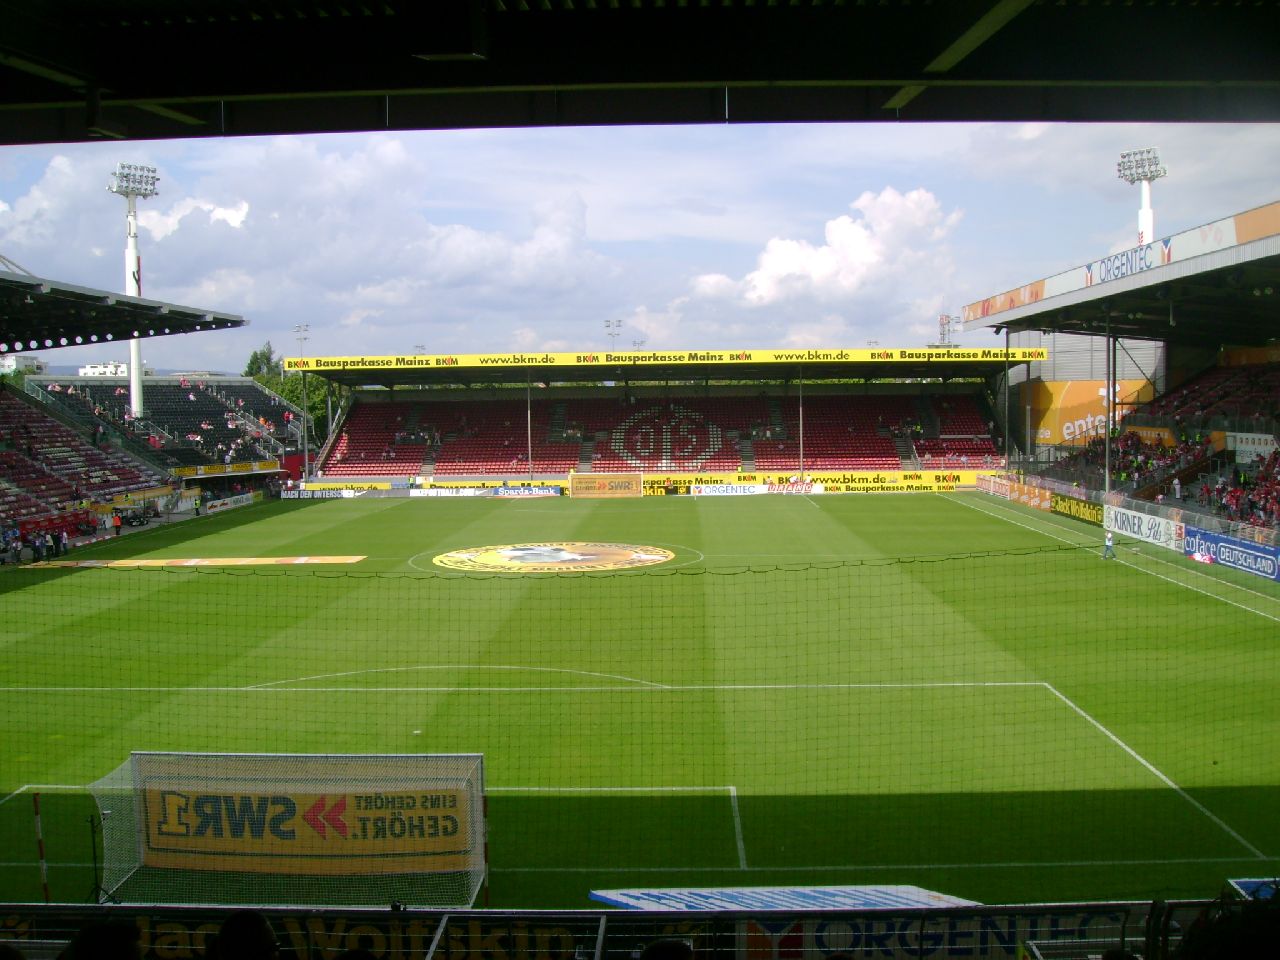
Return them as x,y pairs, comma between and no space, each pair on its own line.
854,481
220,469
1247,356
429,484
591,486
348,485
1077,509
1072,411
1029,496
607,359
213,817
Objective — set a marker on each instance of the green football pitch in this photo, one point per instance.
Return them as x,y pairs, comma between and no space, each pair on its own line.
945,690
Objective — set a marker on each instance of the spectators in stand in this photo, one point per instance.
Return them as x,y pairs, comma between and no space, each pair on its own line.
104,940
1135,462
245,935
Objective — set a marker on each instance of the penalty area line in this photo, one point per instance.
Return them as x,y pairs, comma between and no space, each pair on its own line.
1157,773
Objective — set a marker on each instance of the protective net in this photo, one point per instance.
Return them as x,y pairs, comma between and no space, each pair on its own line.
1003,724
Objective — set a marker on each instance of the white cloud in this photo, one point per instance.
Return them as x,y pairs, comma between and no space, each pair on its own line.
894,231
160,225
1030,131
519,239
660,327
357,316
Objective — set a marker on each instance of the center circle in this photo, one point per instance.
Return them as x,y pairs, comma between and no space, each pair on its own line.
558,556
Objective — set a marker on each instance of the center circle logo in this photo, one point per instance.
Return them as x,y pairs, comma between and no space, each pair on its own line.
562,556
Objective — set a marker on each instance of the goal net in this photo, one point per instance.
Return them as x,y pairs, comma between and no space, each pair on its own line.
287,829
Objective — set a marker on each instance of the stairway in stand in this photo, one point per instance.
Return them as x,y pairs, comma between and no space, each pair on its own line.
906,452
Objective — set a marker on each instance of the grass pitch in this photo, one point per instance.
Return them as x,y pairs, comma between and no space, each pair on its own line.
944,690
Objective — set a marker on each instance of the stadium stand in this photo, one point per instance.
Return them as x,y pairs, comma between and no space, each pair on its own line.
841,433
1249,494
682,433
1250,391
447,438
1240,398
49,470
727,434
189,421
1135,463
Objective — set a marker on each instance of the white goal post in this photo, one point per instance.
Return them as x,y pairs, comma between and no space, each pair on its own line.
351,829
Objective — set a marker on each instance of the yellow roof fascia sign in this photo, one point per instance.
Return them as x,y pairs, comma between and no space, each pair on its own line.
605,359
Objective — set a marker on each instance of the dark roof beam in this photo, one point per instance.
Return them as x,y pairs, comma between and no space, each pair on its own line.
986,27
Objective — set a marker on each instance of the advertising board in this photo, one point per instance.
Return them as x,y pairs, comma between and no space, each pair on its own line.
1249,446
1258,559
607,359
1161,531
604,486
327,815
853,481
1077,509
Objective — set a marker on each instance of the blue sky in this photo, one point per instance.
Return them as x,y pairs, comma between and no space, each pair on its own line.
692,237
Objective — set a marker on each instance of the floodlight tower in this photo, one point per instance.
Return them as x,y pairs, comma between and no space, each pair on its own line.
300,331
1142,166
131,181
612,328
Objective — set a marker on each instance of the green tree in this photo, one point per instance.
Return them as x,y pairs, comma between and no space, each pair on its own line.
263,361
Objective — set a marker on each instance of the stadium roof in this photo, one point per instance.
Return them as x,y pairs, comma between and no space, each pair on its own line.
37,314
1214,285
939,362
149,69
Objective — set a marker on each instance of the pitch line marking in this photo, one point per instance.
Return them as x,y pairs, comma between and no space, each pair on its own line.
737,828
464,666
1156,772
1131,566
645,686
1064,525
67,787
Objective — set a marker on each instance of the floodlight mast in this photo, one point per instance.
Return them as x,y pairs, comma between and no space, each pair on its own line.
300,331
1142,166
131,181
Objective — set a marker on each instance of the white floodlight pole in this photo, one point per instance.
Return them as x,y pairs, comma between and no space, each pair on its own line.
1142,166
301,331
131,181
612,328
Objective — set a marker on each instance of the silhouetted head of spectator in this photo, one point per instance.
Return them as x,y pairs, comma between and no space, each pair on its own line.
246,935
668,949
104,940
10,952
1251,929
